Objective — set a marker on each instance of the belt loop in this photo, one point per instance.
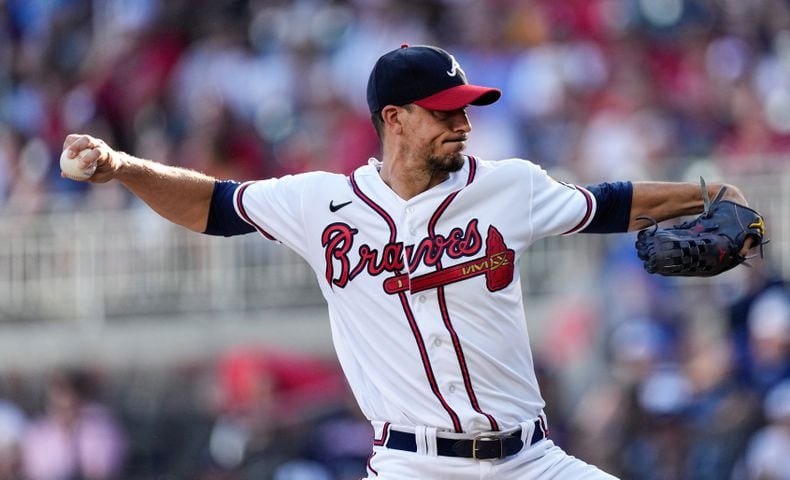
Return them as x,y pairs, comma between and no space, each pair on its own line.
430,441
420,439
544,423
527,429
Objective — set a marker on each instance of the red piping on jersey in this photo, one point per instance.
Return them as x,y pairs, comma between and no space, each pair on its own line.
459,353
370,467
245,216
426,362
384,432
586,217
382,213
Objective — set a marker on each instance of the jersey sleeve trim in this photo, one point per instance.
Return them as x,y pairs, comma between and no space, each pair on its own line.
243,212
613,214
588,215
222,216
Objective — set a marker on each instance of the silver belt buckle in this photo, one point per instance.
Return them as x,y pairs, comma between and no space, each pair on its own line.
486,438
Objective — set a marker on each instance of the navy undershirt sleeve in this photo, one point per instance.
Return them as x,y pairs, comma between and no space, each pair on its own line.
613,212
222,217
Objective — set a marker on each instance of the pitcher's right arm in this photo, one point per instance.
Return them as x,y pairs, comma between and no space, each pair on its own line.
178,194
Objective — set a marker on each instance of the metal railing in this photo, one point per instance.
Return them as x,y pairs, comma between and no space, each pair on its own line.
100,266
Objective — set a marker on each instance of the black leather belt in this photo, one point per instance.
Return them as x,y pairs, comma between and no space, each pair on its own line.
483,447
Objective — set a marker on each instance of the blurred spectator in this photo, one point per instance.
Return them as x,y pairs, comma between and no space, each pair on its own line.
768,358
636,347
601,412
759,280
77,437
767,454
342,441
265,398
659,436
12,427
722,411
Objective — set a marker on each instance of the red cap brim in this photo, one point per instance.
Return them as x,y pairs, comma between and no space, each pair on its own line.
459,97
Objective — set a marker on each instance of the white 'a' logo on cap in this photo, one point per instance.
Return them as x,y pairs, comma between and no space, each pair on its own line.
455,68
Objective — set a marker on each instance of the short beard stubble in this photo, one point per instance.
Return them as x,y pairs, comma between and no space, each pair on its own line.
446,163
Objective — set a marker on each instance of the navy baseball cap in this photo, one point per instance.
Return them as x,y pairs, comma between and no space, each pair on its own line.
427,76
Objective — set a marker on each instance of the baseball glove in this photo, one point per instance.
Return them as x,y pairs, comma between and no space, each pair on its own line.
706,246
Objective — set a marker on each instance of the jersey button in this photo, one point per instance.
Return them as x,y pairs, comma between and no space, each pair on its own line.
423,299
452,388
438,342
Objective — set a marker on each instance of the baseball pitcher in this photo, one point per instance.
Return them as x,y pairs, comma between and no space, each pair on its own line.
417,254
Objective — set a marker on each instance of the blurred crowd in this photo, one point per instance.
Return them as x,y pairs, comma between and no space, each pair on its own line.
257,88
253,413
649,385
658,379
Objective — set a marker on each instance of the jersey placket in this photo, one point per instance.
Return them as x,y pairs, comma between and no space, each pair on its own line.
430,310
398,233
445,313
426,314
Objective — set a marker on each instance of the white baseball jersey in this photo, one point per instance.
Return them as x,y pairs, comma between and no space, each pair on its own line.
424,294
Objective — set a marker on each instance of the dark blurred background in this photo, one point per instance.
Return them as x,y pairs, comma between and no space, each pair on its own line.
131,349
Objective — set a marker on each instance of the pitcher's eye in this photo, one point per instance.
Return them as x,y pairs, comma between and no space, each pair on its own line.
445,114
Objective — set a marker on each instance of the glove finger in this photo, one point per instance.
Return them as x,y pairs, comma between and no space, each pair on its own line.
649,266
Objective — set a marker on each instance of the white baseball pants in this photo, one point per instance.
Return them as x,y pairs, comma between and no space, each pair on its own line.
541,461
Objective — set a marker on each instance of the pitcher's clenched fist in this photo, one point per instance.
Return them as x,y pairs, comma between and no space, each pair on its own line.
88,151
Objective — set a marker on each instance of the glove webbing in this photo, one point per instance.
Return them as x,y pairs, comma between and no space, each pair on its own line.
690,255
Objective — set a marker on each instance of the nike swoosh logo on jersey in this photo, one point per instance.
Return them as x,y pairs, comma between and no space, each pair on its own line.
334,208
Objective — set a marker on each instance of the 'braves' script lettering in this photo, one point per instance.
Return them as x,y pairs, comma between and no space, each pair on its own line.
338,240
